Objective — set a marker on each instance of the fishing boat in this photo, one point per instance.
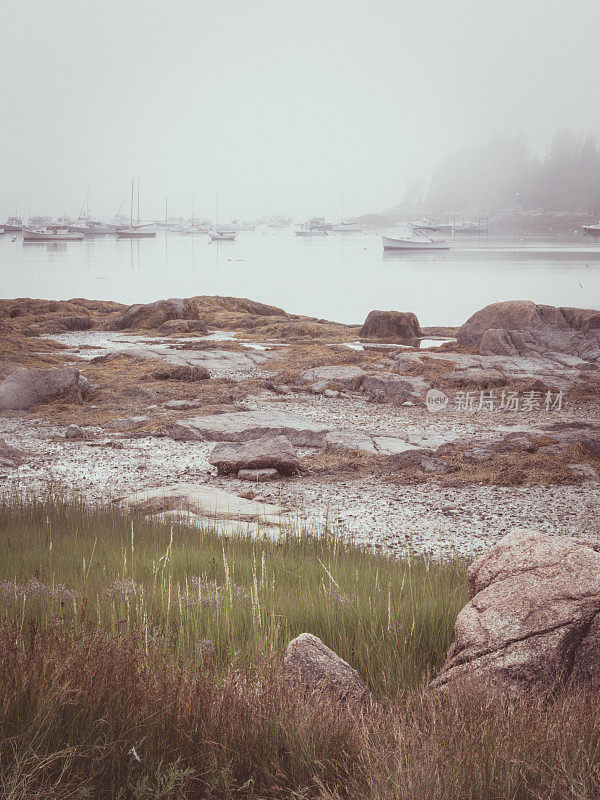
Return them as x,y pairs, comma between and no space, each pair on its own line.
38,222
416,241
319,224
591,230
13,225
425,225
311,232
54,233
307,233
138,231
222,236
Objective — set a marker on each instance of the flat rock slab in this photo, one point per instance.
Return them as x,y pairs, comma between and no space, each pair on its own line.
388,445
245,425
220,363
344,375
205,502
559,370
349,440
267,452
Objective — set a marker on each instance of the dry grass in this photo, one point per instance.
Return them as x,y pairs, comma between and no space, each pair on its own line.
516,468
74,707
107,696
297,358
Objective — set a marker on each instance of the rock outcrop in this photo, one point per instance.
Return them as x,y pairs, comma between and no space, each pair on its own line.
206,504
177,326
345,376
312,667
25,388
533,618
391,325
524,328
153,315
245,425
268,451
389,387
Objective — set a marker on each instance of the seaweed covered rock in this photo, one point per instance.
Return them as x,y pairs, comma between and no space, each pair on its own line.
391,325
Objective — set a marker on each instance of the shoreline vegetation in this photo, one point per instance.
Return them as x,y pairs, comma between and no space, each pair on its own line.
144,659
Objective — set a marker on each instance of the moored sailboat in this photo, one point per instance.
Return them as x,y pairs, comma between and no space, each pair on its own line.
138,231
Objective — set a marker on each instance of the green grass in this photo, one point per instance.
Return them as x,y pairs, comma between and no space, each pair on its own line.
119,633
192,590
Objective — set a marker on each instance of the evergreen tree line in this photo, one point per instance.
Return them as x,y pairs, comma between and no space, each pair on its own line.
505,174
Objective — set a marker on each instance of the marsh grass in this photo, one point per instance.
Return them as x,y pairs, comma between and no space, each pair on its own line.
143,660
185,586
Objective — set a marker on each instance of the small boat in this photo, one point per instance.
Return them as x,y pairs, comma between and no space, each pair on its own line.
138,231
51,234
307,231
141,232
13,225
425,225
319,224
418,241
591,230
222,236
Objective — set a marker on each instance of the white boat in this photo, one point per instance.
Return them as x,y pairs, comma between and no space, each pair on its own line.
310,232
54,234
591,230
319,224
13,225
425,225
222,236
416,241
138,232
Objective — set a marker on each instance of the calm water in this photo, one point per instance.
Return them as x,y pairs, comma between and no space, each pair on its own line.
336,277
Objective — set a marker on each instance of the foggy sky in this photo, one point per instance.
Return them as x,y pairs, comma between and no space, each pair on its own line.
275,104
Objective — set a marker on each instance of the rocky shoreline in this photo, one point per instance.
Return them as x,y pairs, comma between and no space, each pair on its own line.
436,450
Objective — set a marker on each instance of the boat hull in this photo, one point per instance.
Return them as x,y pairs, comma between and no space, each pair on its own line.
222,237
135,234
311,233
51,236
591,230
408,244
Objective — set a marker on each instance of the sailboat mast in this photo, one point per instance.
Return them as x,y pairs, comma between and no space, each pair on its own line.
131,209
138,203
